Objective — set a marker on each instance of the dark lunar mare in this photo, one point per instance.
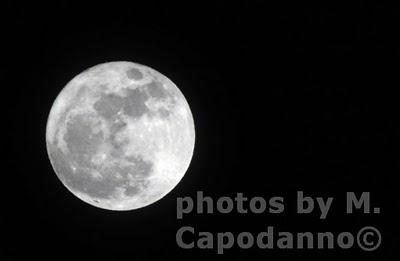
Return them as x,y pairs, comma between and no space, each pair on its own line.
82,144
104,188
108,105
156,90
80,139
134,74
134,103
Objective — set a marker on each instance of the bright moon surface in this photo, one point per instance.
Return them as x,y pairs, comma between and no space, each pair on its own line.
120,136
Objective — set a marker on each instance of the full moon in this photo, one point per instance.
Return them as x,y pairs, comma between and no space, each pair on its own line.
120,136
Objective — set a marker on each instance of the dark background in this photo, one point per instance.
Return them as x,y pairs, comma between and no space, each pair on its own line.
284,98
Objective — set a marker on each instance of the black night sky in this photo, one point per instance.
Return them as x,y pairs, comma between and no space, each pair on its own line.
285,98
